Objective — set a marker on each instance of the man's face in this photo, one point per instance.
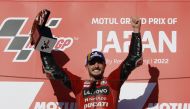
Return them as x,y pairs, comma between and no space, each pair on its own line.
96,68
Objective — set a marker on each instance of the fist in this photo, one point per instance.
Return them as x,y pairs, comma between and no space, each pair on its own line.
136,24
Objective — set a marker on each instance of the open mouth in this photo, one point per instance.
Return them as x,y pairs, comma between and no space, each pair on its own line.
96,69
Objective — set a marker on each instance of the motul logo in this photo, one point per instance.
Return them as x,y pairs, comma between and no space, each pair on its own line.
11,27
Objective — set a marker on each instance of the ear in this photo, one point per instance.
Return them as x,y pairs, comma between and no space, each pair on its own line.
86,66
104,64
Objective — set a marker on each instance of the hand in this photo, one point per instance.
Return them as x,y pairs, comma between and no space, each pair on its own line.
136,24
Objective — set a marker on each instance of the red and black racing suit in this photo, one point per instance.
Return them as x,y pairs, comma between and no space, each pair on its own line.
101,94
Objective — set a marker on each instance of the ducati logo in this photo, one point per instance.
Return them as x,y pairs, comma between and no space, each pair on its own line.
103,82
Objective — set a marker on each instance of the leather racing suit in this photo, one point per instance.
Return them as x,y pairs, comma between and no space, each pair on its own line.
102,94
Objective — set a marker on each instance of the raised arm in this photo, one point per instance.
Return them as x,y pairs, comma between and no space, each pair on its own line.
49,66
134,57
53,70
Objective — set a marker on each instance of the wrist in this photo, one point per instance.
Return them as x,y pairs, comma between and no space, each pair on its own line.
136,30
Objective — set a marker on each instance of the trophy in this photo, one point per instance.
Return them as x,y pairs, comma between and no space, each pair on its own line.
41,36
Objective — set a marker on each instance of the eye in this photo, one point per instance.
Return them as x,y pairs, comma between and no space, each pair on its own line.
100,61
92,62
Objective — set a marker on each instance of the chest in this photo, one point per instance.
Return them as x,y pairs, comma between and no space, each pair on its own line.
97,94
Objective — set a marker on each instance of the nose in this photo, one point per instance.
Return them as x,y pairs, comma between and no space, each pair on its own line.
96,64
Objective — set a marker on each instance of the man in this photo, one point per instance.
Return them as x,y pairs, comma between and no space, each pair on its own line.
98,92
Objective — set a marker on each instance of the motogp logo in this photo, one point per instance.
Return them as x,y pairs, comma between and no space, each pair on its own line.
11,29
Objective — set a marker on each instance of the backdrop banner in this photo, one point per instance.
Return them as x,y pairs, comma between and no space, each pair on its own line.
82,26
